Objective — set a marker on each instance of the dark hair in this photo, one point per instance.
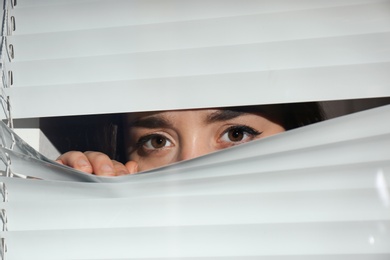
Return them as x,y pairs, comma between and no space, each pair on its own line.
289,116
295,115
105,133
100,133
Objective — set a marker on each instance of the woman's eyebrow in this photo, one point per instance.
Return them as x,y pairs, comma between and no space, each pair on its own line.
223,115
150,122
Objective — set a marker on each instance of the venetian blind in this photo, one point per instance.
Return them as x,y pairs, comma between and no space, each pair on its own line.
99,57
317,192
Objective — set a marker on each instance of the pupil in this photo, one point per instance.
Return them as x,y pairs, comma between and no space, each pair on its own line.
236,135
158,142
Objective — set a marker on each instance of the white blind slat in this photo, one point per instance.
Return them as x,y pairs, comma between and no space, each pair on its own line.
292,51
280,86
99,14
242,209
282,239
257,28
351,177
273,56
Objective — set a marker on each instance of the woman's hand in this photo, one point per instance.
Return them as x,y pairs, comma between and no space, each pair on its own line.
96,163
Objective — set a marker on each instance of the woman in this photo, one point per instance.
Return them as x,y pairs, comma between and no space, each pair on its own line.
155,139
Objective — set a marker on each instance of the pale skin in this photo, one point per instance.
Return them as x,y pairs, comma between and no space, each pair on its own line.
155,139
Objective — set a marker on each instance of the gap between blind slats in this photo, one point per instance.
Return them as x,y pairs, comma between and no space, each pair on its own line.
361,147
329,22
376,149
327,132
100,14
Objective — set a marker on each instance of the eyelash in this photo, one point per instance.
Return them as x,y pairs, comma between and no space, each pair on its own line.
243,128
249,131
144,139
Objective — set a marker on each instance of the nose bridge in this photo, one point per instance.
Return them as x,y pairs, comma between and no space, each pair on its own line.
194,145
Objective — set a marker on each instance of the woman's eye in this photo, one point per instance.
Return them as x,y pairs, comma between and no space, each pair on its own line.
237,134
154,142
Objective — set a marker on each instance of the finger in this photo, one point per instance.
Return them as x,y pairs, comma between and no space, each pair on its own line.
59,161
76,160
132,167
119,168
101,163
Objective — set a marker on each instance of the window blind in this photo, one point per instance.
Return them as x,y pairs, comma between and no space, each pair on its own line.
326,198
140,52
317,192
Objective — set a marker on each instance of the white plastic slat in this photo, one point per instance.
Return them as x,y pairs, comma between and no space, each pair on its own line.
352,176
323,238
277,86
327,22
32,3
229,209
269,57
285,257
100,14
292,51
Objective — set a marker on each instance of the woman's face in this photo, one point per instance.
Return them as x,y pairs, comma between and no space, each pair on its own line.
155,139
